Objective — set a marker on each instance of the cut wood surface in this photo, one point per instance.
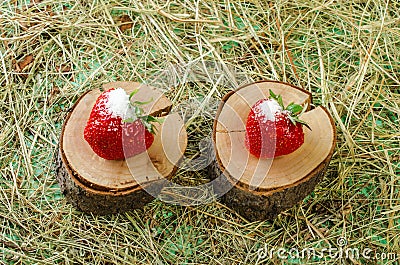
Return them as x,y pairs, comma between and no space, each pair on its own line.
96,185
264,187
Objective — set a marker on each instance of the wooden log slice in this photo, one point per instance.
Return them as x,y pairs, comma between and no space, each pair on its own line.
95,185
262,188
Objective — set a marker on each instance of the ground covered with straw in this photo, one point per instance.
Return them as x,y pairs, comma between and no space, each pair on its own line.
346,53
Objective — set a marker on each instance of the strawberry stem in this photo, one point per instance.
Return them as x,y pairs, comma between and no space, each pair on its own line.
295,110
147,120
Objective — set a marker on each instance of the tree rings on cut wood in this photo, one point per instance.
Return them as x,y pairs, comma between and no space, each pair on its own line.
262,188
95,185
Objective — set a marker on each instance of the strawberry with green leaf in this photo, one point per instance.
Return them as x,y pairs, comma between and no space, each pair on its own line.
272,129
118,128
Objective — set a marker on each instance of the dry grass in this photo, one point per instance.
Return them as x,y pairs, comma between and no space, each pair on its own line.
346,53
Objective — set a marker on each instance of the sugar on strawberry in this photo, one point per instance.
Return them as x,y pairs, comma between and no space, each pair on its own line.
273,130
117,128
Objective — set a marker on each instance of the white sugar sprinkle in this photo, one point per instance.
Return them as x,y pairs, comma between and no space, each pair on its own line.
118,104
268,109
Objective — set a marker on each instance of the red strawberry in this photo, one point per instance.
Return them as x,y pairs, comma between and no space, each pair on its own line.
116,128
273,130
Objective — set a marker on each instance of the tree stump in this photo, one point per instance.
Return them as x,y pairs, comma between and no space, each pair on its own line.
262,188
95,185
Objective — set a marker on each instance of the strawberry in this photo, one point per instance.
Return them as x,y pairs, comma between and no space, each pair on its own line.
273,130
117,128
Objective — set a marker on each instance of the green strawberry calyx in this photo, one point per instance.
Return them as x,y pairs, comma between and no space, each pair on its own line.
137,112
294,110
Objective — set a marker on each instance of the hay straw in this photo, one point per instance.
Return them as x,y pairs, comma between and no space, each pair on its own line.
345,52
